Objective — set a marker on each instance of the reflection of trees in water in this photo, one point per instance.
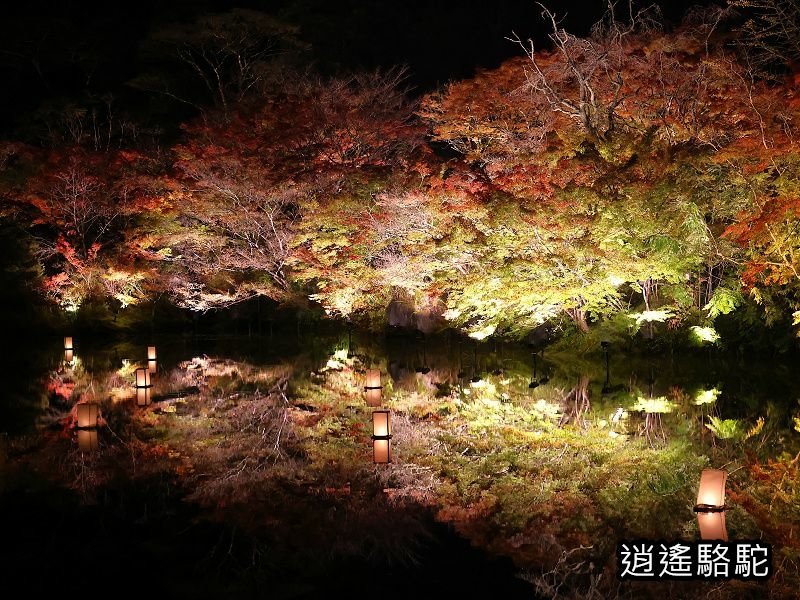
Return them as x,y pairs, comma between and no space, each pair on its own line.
576,404
652,429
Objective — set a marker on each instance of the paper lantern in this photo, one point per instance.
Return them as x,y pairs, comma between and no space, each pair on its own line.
143,396
381,423
374,397
711,493
87,415
373,379
68,343
152,365
381,436
69,356
712,525
142,378
87,440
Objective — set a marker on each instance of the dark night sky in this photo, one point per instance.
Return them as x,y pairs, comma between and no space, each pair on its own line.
56,51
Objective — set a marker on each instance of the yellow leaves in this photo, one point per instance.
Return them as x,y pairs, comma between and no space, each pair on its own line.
755,429
659,405
482,332
124,286
706,396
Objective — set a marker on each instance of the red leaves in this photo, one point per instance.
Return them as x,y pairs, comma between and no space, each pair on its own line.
770,236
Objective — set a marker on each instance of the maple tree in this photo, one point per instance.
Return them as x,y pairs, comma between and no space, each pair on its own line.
633,171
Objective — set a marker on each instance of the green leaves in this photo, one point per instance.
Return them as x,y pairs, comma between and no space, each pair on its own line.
723,302
725,429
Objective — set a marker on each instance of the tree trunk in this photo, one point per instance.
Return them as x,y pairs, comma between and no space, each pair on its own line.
579,317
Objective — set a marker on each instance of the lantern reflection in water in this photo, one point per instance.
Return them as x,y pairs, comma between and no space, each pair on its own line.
381,437
374,397
712,526
143,396
87,440
142,387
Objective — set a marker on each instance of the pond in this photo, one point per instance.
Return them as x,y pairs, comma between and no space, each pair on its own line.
247,466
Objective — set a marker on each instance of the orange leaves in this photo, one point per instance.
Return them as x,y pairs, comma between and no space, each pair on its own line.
773,242
756,227
480,510
771,498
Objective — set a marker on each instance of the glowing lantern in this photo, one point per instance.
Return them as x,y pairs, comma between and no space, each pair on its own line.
69,350
712,525
87,415
142,378
142,396
87,440
151,359
374,397
710,507
381,437
373,387
373,379
711,493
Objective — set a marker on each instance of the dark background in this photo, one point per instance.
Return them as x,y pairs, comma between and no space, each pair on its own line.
55,52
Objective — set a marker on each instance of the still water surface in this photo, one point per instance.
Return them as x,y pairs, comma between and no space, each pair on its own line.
231,423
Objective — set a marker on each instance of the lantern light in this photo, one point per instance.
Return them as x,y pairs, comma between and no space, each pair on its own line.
710,507
712,525
381,451
373,387
143,396
87,415
87,440
373,379
69,350
381,436
152,364
374,396
143,378
711,493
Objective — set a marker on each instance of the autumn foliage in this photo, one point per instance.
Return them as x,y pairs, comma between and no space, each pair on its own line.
630,170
